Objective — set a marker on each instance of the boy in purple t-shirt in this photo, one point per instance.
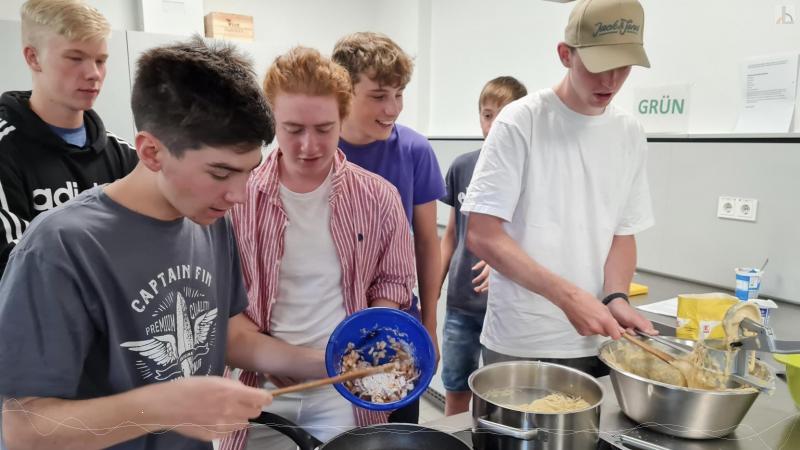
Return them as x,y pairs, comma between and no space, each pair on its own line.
370,138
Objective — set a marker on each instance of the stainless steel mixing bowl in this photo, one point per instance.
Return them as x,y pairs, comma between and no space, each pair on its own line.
673,410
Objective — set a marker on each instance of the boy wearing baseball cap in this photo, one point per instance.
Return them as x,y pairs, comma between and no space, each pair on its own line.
559,191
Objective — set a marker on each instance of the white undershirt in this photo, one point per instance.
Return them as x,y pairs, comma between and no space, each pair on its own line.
309,304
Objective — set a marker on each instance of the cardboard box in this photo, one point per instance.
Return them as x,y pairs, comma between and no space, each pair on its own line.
229,26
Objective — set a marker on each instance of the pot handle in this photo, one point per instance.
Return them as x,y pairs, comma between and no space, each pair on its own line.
301,437
626,441
505,430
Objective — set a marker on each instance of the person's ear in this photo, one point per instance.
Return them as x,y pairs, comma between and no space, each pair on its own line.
32,58
150,150
565,54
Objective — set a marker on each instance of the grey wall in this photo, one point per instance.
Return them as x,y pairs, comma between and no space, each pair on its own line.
697,42
688,240
446,151
320,24
460,44
121,14
279,25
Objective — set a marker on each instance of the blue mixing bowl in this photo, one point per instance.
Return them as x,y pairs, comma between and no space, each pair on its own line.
370,326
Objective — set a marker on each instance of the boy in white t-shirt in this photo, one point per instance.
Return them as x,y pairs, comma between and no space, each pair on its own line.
558,193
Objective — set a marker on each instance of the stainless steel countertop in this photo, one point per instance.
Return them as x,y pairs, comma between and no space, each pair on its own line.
773,422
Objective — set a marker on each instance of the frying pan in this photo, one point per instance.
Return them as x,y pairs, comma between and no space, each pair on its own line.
390,436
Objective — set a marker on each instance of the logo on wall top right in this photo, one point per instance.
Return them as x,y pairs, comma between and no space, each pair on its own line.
784,14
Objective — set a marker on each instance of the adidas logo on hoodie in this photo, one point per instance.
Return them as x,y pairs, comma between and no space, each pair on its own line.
45,199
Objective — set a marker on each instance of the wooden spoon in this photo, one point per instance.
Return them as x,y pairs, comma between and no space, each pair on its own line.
351,375
683,367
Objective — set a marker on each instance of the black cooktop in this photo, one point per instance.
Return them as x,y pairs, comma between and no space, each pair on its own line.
474,441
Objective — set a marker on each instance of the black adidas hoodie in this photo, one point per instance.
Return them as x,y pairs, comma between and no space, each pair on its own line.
39,170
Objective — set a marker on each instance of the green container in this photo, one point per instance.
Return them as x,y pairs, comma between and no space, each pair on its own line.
792,363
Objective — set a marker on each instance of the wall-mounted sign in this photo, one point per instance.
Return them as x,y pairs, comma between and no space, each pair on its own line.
769,84
663,109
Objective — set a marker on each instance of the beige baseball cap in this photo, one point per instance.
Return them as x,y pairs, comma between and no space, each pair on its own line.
607,34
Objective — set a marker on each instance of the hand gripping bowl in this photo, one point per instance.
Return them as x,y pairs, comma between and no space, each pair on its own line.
673,410
364,330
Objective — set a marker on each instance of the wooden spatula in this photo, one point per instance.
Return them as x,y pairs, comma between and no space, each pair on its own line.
351,375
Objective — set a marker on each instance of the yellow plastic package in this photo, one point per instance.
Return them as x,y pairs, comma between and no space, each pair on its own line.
700,315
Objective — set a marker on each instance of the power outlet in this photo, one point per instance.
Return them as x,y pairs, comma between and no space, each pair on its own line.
726,208
746,209
737,208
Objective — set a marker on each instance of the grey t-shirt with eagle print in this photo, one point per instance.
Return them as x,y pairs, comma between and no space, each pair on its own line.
97,300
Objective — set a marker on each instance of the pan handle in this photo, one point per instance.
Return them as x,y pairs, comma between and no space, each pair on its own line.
505,430
301,437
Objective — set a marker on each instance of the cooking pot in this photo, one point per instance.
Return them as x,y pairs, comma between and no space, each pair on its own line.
390,436
496,387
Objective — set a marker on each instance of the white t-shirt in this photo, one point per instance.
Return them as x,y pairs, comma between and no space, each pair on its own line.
309,304
565,183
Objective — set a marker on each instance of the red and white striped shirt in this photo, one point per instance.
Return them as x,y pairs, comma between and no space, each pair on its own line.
371,236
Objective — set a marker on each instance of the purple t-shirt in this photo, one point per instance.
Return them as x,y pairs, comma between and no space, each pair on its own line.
407,161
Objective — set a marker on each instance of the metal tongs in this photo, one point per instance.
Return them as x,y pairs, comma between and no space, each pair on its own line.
739,375
683,348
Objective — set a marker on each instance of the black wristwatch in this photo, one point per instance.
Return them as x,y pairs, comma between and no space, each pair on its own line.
613,296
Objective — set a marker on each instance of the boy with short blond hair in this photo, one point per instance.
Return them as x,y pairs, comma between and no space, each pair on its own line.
69,18
52,144
379,70
496,94
466,305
